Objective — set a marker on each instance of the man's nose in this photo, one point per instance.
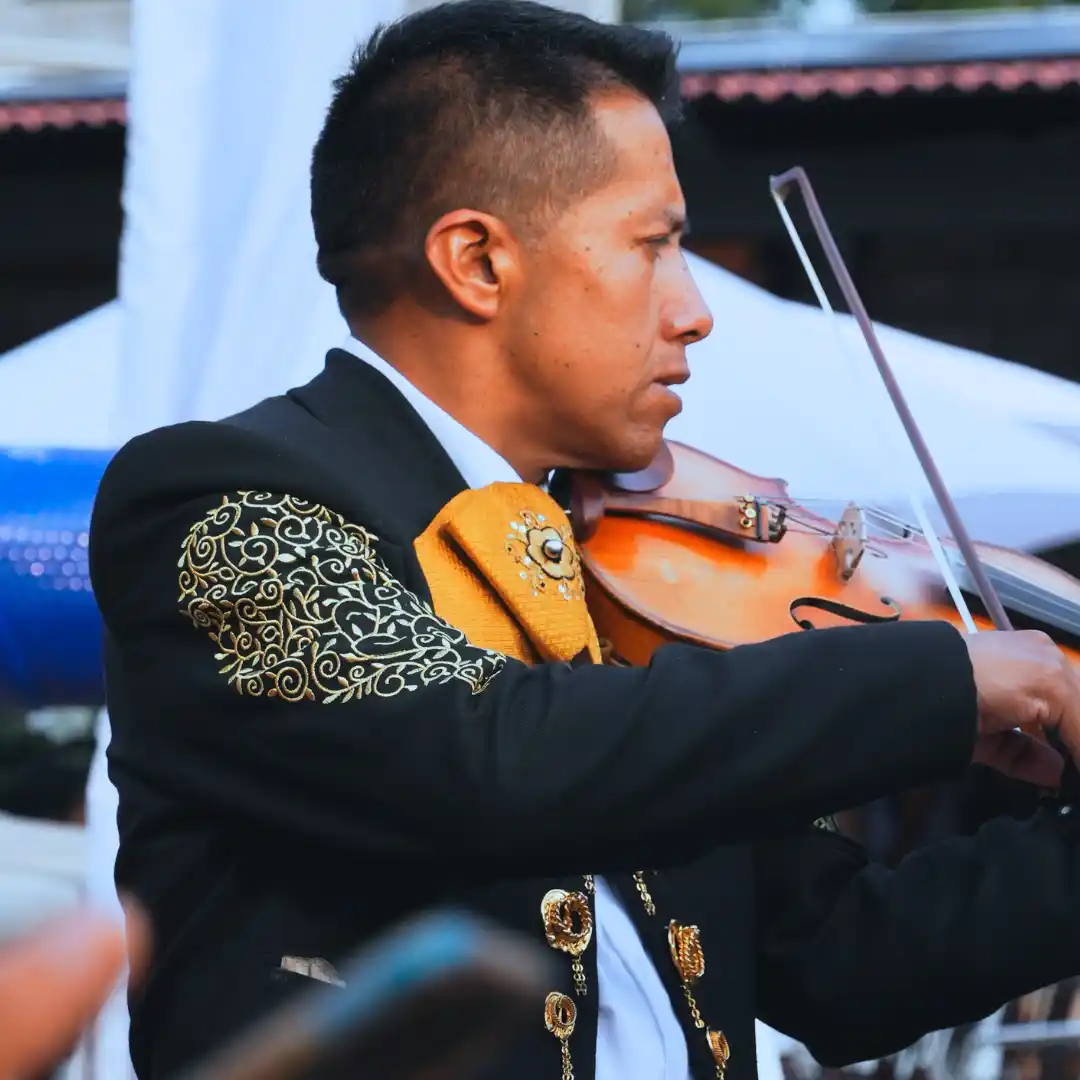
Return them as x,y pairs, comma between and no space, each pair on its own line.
690,319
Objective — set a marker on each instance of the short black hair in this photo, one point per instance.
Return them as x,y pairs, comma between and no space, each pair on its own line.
476,103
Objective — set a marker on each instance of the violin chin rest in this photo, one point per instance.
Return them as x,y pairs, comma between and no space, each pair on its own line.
653,477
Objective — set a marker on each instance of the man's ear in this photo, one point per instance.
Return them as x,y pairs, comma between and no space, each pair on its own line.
476,258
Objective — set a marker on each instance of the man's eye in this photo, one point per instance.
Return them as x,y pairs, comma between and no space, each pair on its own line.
657,245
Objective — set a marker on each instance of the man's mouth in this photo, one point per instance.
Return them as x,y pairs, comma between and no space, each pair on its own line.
675,379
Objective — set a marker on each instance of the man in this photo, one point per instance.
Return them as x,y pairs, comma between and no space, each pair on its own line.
347,644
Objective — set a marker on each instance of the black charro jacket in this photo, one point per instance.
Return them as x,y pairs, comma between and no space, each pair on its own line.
293,801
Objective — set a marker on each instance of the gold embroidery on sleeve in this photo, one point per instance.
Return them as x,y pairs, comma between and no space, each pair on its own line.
302,608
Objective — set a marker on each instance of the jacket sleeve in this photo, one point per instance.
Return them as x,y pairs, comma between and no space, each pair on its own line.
283,672
858,961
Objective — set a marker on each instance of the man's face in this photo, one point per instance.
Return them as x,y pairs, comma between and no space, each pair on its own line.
600,331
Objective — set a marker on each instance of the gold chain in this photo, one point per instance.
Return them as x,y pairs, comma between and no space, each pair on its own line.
560,1013
568,925
643,891
695,1012
567,1067
580,985
689,960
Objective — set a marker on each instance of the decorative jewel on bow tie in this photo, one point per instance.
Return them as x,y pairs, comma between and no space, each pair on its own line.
546,555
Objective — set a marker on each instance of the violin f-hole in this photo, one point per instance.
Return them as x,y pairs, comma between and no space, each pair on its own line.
844,611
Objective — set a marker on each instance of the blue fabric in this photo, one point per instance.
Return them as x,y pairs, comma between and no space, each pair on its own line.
50,630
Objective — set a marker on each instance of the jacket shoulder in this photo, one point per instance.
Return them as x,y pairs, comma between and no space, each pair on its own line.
159,485
184,461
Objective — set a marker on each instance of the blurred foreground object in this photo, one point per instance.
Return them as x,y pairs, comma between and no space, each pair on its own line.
438,996
466,987
52,983
42,867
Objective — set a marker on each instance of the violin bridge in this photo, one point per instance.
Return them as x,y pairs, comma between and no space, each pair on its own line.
849,541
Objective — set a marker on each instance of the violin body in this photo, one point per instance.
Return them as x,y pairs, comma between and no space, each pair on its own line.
697,550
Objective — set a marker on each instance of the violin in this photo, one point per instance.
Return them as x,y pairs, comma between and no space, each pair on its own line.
697,550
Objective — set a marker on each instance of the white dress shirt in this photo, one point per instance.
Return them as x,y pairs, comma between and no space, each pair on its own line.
638,1036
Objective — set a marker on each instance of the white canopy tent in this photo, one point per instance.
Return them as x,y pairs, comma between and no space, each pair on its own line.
58,390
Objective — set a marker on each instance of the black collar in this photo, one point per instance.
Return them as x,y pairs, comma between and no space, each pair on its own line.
383,436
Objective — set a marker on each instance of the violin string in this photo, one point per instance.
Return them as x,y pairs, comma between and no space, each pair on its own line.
902,525
1036,600
900,447
1024,596
1017,585
898,528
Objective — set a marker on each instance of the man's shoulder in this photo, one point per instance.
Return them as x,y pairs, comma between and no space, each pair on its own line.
201,457
275,457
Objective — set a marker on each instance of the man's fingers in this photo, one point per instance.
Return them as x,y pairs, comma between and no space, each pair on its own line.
52,985
1021,757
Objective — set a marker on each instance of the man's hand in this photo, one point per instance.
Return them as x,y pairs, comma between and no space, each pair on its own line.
54,981
1024,680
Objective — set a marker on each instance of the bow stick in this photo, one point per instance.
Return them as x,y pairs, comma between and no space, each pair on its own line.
781,186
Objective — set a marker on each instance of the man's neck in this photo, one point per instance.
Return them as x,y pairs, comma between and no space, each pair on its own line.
468,386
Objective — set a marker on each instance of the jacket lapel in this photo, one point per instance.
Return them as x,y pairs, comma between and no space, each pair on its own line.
399,462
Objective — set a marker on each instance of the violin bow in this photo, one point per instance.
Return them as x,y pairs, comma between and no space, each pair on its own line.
781,186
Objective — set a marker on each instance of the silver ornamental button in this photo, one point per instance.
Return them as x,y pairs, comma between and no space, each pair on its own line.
553,549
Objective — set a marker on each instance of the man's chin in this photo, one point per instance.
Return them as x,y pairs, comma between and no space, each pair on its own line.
629,450
636,455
